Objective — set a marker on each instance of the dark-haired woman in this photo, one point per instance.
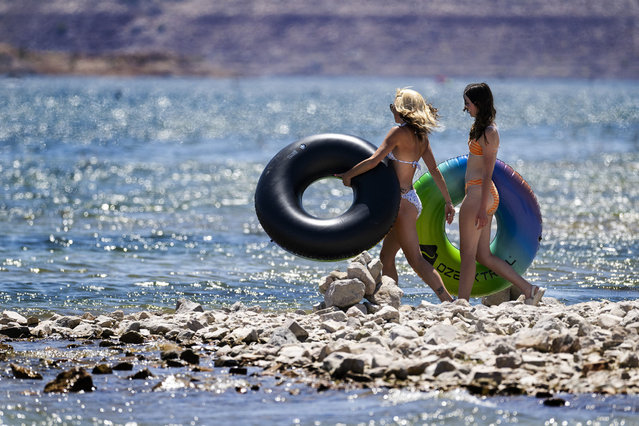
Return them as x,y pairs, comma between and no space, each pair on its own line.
405,144
482,199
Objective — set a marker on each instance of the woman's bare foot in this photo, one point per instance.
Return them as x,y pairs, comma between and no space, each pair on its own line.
536,293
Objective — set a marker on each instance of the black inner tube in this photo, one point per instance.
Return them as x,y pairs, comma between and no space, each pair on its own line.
278,198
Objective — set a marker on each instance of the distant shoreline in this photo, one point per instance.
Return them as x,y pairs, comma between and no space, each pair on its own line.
15,62
20,62
244,38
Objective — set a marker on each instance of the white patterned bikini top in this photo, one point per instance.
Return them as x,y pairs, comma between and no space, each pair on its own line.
415,163
391,156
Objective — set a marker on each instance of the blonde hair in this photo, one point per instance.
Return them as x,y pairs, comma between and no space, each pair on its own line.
421,116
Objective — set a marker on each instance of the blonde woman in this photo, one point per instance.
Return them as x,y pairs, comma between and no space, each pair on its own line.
405,144
482,199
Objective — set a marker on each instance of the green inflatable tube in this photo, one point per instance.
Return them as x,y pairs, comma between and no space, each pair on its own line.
518,217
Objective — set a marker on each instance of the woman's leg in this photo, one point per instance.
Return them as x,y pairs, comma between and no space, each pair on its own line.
390,247
406,234
468,241
499,266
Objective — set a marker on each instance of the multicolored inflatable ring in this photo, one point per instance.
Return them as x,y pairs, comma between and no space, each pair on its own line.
278,198
518,225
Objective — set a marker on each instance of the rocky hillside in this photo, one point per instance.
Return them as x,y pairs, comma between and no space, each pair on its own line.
532,38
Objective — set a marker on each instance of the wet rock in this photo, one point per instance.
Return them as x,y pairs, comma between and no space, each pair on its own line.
172,353
15,332
102,369
190,356
73,380
338,364
174,363
123,366
554,402
132,337
225,361
6,351
508,361
243,371
68,321
141,375
629,360
444,366
20,372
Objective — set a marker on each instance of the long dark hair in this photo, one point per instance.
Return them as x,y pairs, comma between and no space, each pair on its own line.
481,96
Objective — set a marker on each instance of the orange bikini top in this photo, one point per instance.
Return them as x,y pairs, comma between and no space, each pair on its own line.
475,148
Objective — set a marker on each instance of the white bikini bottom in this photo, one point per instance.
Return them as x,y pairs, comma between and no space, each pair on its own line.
412,197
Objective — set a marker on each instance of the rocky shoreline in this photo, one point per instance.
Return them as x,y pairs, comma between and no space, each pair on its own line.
506,349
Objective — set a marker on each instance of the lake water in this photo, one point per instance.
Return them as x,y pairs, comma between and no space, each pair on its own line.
131,193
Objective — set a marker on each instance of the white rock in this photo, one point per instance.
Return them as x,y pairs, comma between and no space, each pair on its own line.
184,306
402,331
86,330
361,272
332,326
12,316
608,320
68,321
244,335
338,364
357,311
364,258
104,321
388,314
388,293
375,268
441,334
344,293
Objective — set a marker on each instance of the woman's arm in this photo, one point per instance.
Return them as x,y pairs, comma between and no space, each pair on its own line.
431,164
390,141
490,148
